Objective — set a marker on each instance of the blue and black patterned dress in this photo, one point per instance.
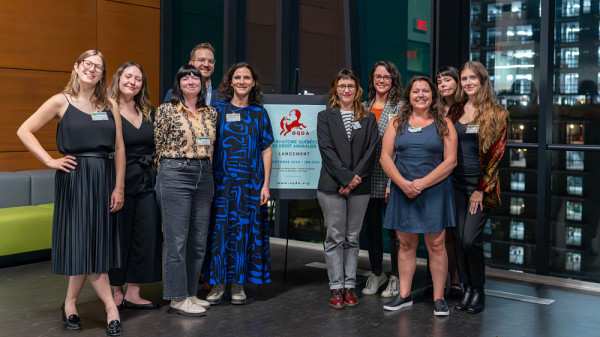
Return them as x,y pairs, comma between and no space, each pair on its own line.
239,234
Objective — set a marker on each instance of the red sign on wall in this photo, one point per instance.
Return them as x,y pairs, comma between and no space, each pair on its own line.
411,54
422,25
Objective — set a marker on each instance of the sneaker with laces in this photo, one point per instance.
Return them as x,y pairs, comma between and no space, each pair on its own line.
393,287
216,294
186,308
373,284
350,299
200,302
440,308
238,296
336,300
398,303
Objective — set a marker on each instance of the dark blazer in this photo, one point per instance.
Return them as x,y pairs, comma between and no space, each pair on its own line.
344,158
213,97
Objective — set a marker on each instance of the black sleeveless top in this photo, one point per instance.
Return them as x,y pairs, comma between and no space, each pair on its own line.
467,156
77,132
139,149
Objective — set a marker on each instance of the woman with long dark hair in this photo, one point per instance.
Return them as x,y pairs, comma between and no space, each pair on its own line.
421,201
141,236
347,135
88,185
239,235
481,127
384,98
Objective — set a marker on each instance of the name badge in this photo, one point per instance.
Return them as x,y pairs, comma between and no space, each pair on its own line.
99,116
233,117
392,116
414,129
356,125
204,141
472,129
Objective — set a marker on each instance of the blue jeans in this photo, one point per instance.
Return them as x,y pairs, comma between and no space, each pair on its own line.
343,220
184,189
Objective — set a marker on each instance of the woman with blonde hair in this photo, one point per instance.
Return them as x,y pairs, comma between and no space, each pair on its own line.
141,235
88,185
347,135
481,127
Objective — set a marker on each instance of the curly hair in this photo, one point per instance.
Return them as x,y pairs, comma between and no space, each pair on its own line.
226,89
100,96
334,100
490,117
435,110
395,93
142,99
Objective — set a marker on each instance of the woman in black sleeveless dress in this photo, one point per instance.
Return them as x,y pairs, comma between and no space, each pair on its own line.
141,235
89,186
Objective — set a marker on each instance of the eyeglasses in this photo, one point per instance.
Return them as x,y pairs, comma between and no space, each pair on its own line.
87,64
386,78
202,60
343,87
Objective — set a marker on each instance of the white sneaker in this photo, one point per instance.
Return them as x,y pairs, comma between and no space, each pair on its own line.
238,296
200,302
216,294
187,308
373,284
393,287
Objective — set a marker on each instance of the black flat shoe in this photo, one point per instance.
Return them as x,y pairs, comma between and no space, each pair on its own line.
130,305
73,322
113,328
464,303
477,302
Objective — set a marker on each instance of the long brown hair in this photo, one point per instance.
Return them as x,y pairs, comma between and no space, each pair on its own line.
490,117
334,100
142,99
435,110
226,89
395,94
100,96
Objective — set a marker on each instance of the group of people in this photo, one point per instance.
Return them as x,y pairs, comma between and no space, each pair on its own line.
143,195
432,153
180,192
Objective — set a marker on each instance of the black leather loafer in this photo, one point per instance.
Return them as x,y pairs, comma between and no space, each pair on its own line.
73,322
113,328
129,305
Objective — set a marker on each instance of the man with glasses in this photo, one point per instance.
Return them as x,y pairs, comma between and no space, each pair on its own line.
203,58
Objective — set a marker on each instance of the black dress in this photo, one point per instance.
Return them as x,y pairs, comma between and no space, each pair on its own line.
141,253
85,238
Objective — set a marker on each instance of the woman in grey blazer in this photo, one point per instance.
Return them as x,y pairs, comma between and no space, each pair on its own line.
384,98
347,136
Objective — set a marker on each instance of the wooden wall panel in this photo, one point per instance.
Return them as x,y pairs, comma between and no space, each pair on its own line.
130,33
147,3
21,161
21,93
46,35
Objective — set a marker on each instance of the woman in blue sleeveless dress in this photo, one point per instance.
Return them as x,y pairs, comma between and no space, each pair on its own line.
88,186
421,197
239,234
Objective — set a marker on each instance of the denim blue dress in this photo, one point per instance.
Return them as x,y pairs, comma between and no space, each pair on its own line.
239,235
417,154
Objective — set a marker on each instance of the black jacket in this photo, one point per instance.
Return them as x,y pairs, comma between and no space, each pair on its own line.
342,158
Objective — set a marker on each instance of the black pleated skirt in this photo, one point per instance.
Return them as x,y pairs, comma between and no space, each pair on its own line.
85,238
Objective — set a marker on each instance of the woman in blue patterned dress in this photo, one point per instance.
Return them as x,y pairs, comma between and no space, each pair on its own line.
238,238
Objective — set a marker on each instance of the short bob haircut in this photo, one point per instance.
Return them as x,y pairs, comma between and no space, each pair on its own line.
184,71
448,71
334,100
226,89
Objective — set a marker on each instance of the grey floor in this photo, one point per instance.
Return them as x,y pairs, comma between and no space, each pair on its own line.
30,299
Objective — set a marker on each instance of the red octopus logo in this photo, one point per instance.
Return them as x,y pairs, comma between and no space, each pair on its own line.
288,124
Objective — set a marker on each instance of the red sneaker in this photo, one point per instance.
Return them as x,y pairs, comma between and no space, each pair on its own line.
337,300
349,298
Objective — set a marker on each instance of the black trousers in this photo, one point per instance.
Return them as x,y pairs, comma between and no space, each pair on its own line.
141,245
468,234
374,230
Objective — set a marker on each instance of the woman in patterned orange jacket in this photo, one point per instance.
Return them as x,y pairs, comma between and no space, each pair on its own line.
481,127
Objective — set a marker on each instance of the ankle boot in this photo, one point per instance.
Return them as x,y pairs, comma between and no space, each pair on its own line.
477,302
464,303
